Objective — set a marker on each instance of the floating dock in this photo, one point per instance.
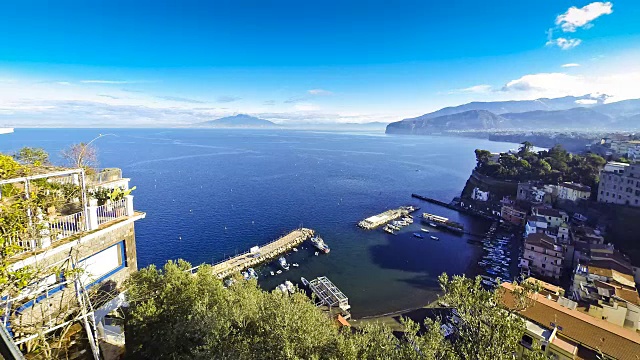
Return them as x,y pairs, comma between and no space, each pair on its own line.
260,254
387,216
330,295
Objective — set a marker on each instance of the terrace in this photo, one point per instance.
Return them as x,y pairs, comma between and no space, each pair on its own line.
42,206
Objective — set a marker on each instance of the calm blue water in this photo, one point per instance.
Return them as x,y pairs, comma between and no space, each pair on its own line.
212,193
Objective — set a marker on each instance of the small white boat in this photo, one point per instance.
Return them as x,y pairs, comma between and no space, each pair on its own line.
295,249
272,273
316,254
424,230
433,225
283,263
434,237
279,272
305,282
289,285
295,265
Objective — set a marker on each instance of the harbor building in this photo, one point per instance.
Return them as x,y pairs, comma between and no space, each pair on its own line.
620,184
79,244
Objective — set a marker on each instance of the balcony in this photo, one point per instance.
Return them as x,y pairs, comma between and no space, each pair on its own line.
39,211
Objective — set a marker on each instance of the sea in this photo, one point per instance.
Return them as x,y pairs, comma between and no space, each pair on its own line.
211,193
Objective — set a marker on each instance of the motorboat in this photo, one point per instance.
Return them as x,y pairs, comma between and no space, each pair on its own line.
272,273
283,263
279,272
424,230
295,249
434,238
295,265
320,244
289,285
418,235
304,281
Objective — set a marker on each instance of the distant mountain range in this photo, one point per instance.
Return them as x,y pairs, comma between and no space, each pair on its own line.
237,121
566,113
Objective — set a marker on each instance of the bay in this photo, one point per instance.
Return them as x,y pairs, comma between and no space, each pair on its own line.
209,194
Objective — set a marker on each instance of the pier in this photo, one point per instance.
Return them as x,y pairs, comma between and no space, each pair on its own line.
383,218
330,295
454,207
259,254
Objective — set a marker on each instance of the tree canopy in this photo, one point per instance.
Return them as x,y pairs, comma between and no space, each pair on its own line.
176,315
552,166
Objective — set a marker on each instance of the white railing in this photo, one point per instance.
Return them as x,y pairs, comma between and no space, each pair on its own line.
66,226
111,211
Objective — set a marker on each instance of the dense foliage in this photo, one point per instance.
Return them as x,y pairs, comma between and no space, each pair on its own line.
552,166
176,315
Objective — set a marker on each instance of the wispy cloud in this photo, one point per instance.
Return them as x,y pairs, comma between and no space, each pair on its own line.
582,17
269,103
65,83
227,99
564,43
109,96
181,99
476,89
108,82
319,92
570,65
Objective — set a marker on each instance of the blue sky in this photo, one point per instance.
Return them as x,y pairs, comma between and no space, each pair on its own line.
157,63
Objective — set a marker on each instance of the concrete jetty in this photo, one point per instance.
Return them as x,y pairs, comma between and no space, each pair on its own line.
383,218
260,254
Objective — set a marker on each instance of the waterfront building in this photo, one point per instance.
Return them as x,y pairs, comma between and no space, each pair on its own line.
620,184
557,326
512,212
573,191
79,251
480,195
543,256
531,192
554,217
535,224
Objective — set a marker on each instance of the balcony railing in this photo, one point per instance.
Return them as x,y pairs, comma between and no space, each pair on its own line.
70,225
111,211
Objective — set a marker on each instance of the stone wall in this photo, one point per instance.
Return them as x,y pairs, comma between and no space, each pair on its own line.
59,304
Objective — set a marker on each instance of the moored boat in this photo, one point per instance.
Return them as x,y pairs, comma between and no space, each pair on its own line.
283,263
304,281
424,230
434,238
418,235
320,244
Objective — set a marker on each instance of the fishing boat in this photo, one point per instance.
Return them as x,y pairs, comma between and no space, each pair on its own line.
424,230
443,222
320,245
388,230
305,282
283,263
434,238
396,228
418,235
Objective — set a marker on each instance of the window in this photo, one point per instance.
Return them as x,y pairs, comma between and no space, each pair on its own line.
103,264
526,341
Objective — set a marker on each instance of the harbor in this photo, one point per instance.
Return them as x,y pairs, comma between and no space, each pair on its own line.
375,221
259,254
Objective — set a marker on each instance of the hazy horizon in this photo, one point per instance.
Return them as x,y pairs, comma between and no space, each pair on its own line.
175,63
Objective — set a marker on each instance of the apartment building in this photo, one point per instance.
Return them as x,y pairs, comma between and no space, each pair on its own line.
543,256
620,184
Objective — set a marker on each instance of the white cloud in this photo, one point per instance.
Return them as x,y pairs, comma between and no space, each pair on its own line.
564,43
319,92
619,86
570,65
66,83
582,17
476,89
